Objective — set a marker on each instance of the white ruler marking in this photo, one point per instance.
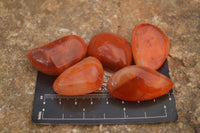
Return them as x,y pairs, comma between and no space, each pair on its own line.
145,114
83,113
154,100
63,116
124,109
107,102
91,102
165,109
59,101
75,101
41,97
39,115
169,97
44,98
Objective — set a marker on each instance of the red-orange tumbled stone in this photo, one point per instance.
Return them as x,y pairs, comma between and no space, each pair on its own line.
150,46
137,83
82,78
55,57
112,50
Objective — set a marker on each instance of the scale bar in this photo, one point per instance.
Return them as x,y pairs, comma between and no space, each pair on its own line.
88,96
149,117
106,118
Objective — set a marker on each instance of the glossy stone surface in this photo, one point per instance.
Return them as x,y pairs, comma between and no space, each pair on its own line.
55,57
137,83
150,46
111,49
82,78
27,23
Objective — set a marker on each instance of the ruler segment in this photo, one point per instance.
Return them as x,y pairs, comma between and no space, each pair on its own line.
98,107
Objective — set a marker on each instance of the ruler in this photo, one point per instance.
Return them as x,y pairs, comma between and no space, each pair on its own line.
98,107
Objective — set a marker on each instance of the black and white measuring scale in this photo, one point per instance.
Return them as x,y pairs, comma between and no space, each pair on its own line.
98,107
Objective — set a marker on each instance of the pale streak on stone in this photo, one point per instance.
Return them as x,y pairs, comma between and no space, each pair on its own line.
128,129
1,111
156,20
74,130
109,20
63,30
100,127
28,88
74,33
12,35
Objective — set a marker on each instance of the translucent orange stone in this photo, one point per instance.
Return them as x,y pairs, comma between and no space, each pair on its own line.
82,78
55,57
137,83
150,46
112,50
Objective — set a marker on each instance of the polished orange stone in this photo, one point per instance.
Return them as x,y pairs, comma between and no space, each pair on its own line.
150,46
55,57
137,83
82,78
112,50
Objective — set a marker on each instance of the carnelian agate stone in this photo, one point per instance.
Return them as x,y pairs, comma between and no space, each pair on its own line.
82,78
112,50
150,46
55,57
137,83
